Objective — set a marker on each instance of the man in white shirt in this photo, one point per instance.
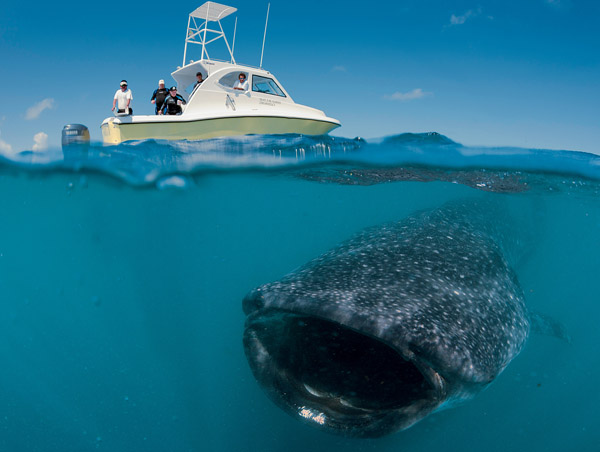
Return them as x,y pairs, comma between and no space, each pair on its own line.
124,97
242,83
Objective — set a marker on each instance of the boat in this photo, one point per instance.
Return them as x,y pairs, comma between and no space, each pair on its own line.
215,108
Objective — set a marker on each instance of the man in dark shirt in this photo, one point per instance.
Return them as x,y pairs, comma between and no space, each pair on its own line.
159,96
199,79
173,102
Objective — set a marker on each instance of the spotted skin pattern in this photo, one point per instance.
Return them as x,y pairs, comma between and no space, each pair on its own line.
436,287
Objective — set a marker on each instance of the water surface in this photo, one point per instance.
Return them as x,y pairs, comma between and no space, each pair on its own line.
122,271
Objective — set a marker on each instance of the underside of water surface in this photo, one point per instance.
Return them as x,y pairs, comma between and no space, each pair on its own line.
123,269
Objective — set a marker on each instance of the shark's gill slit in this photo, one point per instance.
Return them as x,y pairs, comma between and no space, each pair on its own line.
333,368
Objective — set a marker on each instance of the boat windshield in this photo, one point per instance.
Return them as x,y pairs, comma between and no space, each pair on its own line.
266,85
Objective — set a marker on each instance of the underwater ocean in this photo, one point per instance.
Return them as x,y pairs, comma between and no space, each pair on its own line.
123,270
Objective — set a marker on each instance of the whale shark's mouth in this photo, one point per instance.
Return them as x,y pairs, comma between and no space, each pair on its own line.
336,377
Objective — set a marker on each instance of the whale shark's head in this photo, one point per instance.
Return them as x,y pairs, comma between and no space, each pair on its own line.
337,378
377,333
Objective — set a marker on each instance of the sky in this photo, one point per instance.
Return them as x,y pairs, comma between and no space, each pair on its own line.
492,73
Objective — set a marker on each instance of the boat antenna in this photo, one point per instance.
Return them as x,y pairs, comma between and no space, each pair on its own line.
264,36
233,45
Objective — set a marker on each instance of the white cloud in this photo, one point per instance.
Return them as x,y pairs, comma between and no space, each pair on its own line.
36,110
416,93
40,141
5,147
339,69
459,20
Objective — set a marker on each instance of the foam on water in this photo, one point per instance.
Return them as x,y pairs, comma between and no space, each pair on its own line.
123,269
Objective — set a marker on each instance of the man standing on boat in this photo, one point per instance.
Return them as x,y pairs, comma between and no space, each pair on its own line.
124,97
159,96
199,79
173,102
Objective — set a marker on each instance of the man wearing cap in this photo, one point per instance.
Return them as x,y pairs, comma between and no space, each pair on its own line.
124,97
173,102
159,95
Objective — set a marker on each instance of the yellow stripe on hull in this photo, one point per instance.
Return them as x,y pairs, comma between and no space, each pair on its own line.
115,133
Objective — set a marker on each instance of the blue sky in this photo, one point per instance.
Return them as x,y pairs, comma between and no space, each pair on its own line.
494,73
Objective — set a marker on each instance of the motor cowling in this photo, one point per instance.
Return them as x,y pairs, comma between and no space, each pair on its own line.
75,134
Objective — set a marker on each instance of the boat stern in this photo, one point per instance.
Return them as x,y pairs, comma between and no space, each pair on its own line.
111,131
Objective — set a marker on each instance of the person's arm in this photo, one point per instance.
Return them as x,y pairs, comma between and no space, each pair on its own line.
241,86
153,100
129,99
182,99
114,102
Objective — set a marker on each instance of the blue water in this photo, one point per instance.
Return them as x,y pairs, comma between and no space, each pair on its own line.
122,271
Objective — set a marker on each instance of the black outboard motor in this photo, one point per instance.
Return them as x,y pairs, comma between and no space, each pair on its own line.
75,134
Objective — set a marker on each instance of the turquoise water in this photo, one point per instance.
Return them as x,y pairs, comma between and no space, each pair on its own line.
122,271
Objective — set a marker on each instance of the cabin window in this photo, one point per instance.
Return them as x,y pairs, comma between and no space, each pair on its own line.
266,85
228,80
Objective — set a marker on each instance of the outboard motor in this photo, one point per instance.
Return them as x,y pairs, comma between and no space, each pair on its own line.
75,134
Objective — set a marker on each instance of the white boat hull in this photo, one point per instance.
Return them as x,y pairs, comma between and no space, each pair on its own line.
115,132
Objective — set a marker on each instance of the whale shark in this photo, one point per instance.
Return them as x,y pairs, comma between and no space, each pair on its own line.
400,321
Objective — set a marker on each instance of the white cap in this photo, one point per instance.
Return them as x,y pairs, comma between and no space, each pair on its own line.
161,82
123,83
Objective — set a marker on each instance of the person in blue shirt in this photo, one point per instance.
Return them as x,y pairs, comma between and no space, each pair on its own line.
173,102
